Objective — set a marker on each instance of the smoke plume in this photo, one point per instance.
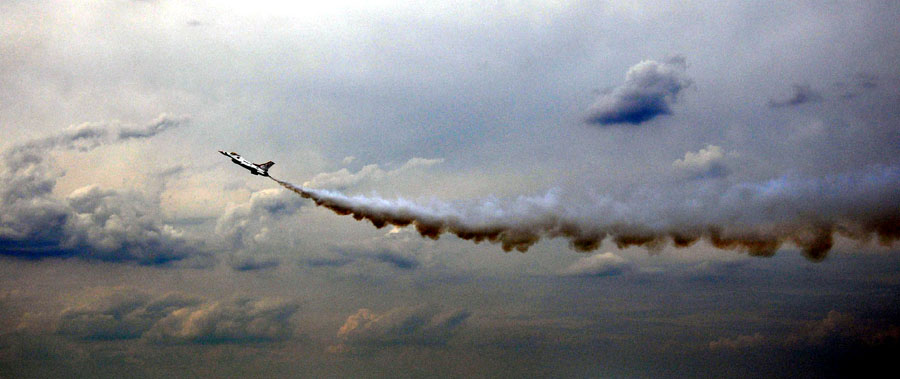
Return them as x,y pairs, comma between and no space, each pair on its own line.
755,218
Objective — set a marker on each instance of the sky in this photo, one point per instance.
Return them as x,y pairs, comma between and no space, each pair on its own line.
503,188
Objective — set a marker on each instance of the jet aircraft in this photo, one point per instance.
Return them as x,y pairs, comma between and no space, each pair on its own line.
255,169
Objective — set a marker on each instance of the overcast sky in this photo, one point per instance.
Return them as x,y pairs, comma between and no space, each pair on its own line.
709,189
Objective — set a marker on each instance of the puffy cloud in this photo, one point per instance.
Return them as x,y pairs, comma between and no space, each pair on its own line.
247,227
423,325
248,223
242,320
112,314
115,226
605,264
802,94
706,163
649,91
343,178
91,222
115,314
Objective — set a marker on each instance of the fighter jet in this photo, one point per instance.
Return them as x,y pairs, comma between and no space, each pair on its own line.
255,169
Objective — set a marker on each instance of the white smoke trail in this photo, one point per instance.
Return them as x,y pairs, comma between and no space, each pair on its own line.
756,218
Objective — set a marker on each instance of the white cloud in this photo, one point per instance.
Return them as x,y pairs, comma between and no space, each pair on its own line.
708,162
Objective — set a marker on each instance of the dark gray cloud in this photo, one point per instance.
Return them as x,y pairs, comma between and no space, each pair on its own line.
391,257
91,222
801,94
122,314
835,329
649,91
397,260
422,325
252,263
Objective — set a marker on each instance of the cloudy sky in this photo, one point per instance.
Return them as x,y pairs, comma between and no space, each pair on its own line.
505,188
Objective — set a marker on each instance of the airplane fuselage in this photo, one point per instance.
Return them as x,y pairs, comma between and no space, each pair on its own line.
255,169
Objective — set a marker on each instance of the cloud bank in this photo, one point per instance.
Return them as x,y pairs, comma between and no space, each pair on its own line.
121,314
649,91
91,222
422,326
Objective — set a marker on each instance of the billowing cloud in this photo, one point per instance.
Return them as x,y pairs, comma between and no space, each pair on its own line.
649,91
251,228
423,326
605,264
245,262
111,314
802,94
343,178
247,224
91,222
709,162
117,314
238,321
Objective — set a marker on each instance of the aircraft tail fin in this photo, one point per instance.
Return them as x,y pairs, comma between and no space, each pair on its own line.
265,166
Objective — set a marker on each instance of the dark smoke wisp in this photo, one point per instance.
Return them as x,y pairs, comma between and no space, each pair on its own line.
757,219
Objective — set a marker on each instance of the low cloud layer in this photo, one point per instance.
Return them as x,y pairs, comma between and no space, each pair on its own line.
422,326
649,91
121,314
91,222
